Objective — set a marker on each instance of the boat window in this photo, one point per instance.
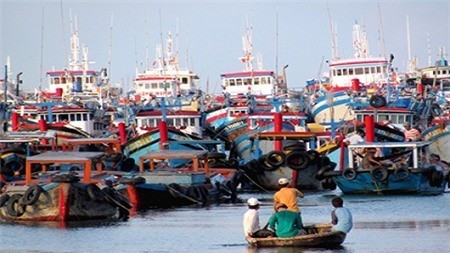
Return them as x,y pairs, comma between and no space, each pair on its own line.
263,80
408,118
373,70
401,118
339,72
226,82
63,117
434,72
78,117
151,86
63,80
193,122
184,80
366,70
151,122
344,72
170,122
239,82
269,80
232,82
382,117
72,117
359,71
256,81
379,69
350,72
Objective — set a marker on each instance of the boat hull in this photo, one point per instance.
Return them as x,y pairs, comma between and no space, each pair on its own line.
319,236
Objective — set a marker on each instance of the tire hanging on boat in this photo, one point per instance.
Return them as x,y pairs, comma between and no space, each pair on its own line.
297,160
379,173
15,207
32,195
402,173
275,158
349,174
262,162
321,172
132,181
377,101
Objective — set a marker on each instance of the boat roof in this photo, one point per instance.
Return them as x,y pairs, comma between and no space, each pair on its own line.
346,62
64,157
174,154
248,73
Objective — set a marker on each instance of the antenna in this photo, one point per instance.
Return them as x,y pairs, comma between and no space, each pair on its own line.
161,37
383,43
334,51
276,47
429,49
62,25
42,51
110,43
408,38
147,52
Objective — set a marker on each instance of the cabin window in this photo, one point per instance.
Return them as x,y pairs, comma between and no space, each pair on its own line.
344,72
226,82
269,80
247,81
256,81
366,70
84,116
184,80
408,118
151,122
359,71
63,117
382,117
78,117
239,82
350,72
401,118
379,70
72,117
339,72
232,82
263,80
192,122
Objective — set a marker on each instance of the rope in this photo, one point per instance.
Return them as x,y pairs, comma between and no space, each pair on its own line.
184,195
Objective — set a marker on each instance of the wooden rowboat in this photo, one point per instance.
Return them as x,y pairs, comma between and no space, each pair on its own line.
319,236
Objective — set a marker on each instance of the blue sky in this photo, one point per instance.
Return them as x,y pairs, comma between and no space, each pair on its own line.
210,34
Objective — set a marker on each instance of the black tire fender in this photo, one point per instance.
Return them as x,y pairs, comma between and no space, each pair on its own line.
377,101
297,160
379,173
402,173
262,162
275,158
132,181
32,195
321,172
349,174
15,207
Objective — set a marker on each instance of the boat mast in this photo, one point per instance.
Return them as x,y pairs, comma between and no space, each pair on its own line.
383,43
42,52
334,49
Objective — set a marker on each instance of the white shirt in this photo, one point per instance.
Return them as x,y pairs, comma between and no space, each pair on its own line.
251,221
345,220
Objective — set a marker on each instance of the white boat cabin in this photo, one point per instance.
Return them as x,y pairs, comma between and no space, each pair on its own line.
394,116
257,82
186,121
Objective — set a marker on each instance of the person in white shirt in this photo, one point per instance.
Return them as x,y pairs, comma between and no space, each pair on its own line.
355,138
251,217
341,218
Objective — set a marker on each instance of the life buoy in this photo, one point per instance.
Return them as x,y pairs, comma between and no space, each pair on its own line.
3,199
329,184
15,207
32,194
379,173
297,160
275,158
132,181
349,174
262,162
296,146
95,193
402,173
377,101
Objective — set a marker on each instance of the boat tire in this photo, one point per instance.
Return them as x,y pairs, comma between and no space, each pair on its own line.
329,184
262,162
297,160
32,195
275,158
95,193
436,178
402,173
15,207
3,199
296,146
127,164
349,174
16,164
377,101
132,181
379,174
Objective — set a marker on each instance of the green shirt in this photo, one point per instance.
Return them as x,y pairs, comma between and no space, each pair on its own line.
285,223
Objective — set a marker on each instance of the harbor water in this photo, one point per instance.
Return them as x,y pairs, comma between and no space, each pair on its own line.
381,224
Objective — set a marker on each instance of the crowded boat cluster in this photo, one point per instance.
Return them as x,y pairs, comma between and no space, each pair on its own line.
85,149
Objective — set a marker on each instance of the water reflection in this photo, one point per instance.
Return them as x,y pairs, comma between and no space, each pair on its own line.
340,249
67,224
405,224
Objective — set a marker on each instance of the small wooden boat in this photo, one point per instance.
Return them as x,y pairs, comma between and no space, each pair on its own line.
319,236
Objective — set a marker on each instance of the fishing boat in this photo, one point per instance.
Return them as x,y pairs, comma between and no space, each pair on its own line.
162,186
408,170
62,186
318,236
165,78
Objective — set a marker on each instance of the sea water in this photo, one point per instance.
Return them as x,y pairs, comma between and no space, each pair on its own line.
381,224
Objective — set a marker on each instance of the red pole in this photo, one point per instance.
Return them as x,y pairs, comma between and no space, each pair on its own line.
43,128
15,121
370,128
278,126
163,132
59,92
122,133
355,84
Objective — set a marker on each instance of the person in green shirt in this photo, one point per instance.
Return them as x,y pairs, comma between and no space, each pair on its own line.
286,223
